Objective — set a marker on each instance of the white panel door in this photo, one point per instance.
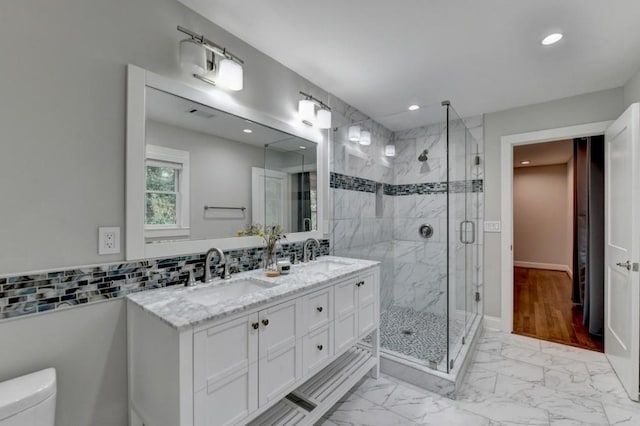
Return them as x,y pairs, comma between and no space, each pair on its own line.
269,189
225,372
622,243
280,343
367,312
346,314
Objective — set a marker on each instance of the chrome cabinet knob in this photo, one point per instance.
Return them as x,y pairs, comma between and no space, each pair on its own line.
265,322
255,325
626,265
320,347
320,308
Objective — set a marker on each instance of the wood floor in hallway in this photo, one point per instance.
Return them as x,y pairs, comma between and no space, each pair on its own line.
543,309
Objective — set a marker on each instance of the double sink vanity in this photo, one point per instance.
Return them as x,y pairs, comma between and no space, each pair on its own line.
252,349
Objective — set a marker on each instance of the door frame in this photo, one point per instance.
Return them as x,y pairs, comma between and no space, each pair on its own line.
507,143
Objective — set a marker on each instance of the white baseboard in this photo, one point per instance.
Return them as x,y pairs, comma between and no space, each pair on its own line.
547,266
494,323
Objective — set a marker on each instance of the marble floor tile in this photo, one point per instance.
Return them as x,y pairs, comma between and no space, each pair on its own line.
512,380
355,410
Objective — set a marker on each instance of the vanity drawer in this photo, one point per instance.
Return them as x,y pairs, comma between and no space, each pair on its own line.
317,349
318,309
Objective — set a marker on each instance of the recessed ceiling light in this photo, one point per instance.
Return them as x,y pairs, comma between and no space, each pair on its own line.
551,39
414,107
525,162
303,147
248,131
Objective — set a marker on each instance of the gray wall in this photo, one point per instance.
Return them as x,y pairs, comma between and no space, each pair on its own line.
587,108
632,90
87,346
62,164
62,115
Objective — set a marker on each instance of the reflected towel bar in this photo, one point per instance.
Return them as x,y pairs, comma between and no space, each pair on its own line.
224,208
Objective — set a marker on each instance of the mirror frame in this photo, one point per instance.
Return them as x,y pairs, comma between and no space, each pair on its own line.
137,81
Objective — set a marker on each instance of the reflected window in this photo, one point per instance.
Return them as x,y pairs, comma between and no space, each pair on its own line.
166,192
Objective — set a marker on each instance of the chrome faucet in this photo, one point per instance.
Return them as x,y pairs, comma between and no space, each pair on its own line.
207,265
308,254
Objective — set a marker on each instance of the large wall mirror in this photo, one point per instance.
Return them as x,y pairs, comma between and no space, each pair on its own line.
204,176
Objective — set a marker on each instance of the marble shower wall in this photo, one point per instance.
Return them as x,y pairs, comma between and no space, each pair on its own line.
414,270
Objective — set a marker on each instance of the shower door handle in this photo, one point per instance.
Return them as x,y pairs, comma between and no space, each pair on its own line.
463,225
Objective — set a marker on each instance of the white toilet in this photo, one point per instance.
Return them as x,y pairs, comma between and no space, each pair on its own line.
29,400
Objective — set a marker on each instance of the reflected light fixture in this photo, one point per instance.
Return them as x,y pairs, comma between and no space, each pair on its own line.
414,107
354,133
302,147
551,39
210,62
307,112
525,162
248,131
365,138
390,150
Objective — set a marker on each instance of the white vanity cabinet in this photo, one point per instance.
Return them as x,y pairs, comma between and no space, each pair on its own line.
238,368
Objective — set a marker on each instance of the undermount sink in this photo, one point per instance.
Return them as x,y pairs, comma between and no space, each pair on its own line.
227,291
323,265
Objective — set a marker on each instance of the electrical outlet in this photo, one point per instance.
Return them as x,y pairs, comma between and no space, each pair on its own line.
492,226
108,240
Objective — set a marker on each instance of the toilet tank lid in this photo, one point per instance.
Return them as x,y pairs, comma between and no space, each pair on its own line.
24,392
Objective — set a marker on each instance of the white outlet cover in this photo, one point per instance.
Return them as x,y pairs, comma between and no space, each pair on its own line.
108,240
492,226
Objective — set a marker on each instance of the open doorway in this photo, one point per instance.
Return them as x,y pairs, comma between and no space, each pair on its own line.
558,258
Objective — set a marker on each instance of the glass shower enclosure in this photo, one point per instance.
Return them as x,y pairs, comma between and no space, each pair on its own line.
406,191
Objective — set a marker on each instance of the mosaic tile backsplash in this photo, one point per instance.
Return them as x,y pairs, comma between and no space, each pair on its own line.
22,295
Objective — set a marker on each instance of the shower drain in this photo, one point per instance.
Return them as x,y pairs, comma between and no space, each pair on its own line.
407,332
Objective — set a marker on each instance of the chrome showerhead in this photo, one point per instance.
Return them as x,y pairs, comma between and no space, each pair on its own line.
423,157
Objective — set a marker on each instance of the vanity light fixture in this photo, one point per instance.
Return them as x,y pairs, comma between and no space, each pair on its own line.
365,138
414,107
551,39
525,162
390,150
307,112
354,133
210,62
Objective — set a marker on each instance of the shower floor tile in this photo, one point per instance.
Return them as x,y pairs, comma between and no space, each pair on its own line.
421,335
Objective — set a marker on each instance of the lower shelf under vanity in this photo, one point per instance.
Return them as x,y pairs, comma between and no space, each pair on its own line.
307,404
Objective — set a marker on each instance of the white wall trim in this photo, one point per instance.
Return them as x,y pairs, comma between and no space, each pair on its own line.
494,323
546,266
506,212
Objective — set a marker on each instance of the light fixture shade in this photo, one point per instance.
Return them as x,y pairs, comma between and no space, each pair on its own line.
324,119
354,133
193,56
365,138
307,111
230,75
390,150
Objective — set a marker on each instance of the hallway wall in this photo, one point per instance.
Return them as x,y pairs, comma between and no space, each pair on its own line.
542,235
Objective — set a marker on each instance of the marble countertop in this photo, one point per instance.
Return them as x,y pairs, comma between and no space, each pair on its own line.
177,306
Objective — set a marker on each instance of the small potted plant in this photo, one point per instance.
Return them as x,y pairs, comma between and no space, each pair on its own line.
272,237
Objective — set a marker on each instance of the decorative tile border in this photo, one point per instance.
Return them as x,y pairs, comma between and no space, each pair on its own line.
352,183
22,295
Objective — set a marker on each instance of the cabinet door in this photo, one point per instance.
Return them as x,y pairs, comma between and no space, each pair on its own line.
317,309
225,372
367,309
317,349
280,364
346,314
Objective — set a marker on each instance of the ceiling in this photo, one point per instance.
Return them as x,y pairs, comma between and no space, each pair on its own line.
543,154
184,113
381,56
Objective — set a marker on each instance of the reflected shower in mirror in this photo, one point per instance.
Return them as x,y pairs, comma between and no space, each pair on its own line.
290,185
202,167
